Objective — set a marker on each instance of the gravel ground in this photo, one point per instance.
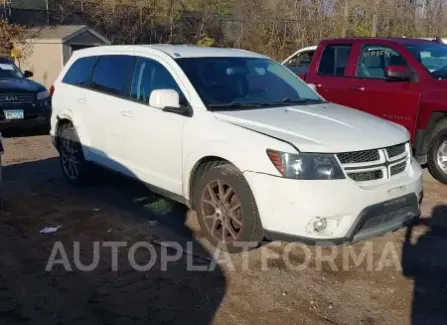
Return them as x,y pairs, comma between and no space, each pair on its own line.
400,279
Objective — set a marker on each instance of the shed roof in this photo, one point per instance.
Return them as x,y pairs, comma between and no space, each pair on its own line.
60,33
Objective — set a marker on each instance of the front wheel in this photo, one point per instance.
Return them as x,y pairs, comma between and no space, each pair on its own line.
226,210
437,153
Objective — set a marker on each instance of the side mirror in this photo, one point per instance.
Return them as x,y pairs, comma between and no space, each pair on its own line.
398,73
28,74
168,100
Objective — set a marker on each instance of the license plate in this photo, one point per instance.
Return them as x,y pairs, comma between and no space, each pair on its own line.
15,114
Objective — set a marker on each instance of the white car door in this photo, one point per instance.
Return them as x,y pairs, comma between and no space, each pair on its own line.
106,101
153,139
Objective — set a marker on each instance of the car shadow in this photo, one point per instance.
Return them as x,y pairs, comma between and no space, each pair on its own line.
425,263
176,294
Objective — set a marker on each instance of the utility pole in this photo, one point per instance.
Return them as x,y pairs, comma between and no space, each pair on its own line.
345,18
47,7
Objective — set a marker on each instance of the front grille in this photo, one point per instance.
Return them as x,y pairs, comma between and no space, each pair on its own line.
395,151
366,176
359,156
371,165
11,99
399,168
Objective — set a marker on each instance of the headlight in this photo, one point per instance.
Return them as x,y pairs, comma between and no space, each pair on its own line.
306,166
42,95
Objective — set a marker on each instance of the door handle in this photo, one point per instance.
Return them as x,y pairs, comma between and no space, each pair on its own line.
357,88
127,113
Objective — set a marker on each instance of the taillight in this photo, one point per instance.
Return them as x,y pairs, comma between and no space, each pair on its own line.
52,90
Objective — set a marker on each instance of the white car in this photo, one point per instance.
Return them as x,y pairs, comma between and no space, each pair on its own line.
299,61
238,138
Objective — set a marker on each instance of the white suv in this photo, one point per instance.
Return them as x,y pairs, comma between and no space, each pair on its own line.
238,138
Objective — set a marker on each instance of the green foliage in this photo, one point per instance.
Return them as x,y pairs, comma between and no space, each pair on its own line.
206,41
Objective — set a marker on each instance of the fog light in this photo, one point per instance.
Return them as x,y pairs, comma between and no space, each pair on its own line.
320,225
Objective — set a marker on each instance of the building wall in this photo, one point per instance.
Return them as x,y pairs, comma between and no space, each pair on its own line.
45,61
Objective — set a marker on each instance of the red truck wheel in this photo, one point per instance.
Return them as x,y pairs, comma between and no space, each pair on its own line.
437,153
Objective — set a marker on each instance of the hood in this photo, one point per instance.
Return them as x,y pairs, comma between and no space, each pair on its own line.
328,127
18,85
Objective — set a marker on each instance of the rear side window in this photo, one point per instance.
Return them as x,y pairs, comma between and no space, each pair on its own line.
334,60
112,74
79,72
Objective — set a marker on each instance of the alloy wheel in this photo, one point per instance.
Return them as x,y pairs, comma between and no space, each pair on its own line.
222,211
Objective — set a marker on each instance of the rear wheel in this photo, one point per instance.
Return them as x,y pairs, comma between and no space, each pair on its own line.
437,153
74,166
227,210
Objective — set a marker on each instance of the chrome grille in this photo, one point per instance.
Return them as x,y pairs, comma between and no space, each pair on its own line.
375,164
358,156
366,176
399,168
395,151
12,99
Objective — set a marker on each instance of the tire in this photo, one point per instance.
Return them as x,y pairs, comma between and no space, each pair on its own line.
68,138
439,138
244,220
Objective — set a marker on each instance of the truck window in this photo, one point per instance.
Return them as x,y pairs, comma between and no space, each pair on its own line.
375,58
334,60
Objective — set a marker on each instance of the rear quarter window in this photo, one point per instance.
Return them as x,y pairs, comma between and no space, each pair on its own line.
79,72
112,74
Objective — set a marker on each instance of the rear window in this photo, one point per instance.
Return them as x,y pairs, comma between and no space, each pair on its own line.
334,60
112,74
79,73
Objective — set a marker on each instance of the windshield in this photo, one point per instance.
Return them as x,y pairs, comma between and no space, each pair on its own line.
242,83
9,70
432,56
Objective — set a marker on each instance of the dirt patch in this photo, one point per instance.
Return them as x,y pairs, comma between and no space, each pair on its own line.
276,284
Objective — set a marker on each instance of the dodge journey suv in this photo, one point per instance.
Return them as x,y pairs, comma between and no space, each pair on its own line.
238,138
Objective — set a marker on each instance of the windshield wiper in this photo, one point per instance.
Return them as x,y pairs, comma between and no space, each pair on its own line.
300,101
234,105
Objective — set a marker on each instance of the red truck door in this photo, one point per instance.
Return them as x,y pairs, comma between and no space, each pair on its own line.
328,71
370,91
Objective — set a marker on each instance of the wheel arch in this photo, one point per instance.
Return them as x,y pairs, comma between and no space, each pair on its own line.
201,166
423,143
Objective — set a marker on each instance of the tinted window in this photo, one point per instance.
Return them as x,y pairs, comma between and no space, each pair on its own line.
432,56
334,60
79,72
374,60
150,75
112,74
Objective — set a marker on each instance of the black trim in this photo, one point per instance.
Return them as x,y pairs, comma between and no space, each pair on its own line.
419,140
408,202
173,196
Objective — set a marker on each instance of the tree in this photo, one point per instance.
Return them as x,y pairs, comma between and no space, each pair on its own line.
12,37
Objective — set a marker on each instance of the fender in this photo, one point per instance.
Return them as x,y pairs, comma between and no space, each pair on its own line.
71,115
239,155
432,109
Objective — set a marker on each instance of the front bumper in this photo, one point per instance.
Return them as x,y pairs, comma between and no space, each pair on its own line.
287,208
33,117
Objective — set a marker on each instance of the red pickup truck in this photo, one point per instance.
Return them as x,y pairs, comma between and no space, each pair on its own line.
400,79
